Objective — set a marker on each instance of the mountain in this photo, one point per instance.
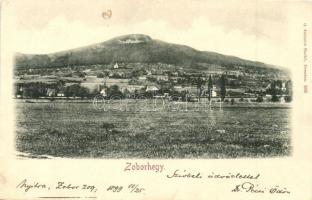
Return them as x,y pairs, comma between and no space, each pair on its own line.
134,48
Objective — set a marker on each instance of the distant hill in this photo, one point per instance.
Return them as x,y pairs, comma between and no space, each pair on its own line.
134,48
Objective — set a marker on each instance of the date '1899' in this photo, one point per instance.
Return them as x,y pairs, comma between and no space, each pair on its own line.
132,188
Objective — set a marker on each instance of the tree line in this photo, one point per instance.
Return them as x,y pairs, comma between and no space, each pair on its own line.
276,89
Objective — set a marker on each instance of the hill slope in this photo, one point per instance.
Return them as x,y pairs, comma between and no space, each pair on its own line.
135,48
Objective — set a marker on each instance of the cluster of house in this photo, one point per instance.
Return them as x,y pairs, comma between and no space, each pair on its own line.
53,93
132,88
142,82
282,88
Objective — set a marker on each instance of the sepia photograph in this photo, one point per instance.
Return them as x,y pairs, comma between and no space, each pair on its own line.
155,100
173,92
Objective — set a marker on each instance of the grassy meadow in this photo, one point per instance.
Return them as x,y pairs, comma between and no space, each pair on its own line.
79,130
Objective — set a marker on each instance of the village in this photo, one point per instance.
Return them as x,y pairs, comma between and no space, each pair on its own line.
150,80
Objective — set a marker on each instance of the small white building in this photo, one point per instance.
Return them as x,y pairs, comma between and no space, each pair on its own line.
151,88
149,72
142,78
116,66
213,92
60,94
103,92
162,78
51,92
284,87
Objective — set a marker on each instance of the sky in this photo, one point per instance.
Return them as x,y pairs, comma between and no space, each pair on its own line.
256,30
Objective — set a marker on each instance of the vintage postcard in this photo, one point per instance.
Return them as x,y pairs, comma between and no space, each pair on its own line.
152,100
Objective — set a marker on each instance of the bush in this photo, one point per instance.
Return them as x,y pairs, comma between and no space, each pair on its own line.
100,75
259,99
107,125
76,91
288,99
275,98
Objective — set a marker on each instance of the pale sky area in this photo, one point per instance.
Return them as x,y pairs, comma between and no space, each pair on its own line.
257,30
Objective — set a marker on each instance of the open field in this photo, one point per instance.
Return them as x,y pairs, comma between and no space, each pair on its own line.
79,130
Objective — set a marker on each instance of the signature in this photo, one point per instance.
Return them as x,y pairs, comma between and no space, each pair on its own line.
249,187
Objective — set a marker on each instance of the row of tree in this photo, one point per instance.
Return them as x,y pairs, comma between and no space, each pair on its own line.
36,90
